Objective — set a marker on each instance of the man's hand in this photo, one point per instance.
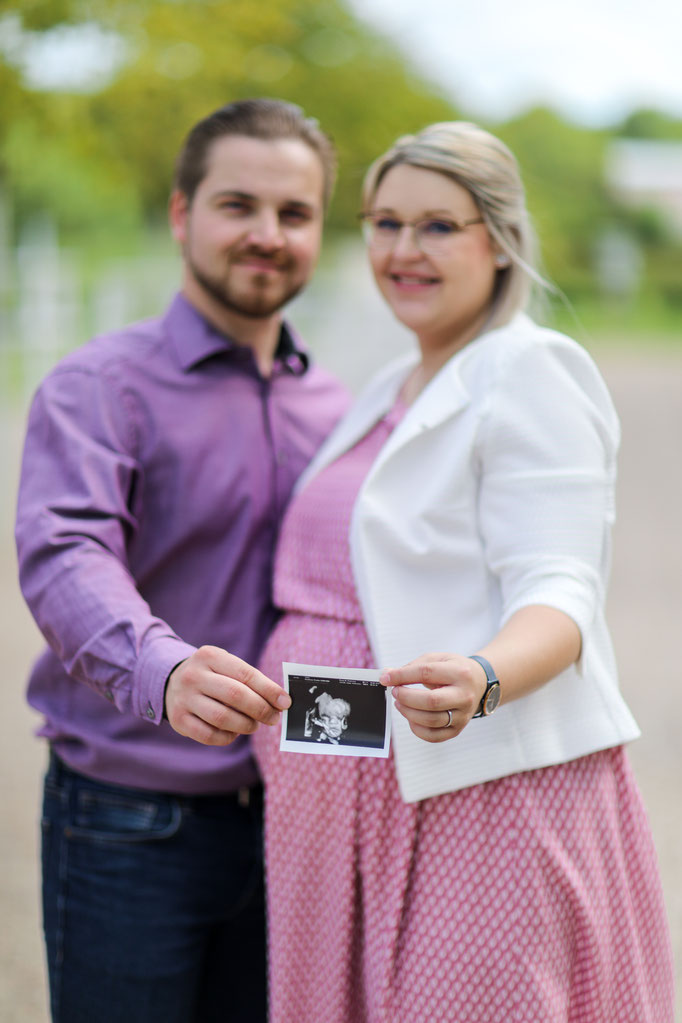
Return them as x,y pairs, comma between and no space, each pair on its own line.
213,697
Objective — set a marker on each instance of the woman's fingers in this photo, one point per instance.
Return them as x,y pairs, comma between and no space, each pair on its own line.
434,726
428,719
459,698
437,693
430,669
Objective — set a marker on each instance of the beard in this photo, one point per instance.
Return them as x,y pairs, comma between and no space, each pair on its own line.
257,302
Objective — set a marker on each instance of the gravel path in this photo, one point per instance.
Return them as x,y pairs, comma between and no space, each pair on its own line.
644,612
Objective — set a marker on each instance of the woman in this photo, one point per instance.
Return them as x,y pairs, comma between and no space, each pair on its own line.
500,867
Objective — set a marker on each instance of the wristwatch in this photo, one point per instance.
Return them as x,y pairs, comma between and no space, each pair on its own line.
491,697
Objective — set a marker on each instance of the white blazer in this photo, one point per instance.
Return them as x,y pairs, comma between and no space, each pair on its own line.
495,491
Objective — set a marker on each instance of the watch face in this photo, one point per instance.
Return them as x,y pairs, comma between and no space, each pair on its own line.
492,699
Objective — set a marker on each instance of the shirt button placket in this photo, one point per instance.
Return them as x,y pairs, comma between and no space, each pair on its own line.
279,454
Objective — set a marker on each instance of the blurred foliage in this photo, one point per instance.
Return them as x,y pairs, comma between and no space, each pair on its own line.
562,167
651,124
100,161
185,59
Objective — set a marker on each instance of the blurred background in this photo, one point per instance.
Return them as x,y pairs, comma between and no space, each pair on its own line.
96,97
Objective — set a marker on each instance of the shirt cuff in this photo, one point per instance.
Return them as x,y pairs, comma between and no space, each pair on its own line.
153,668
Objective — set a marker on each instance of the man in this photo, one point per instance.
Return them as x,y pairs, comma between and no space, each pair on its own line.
157,465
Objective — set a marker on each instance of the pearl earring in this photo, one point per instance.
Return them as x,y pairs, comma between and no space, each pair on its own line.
501,260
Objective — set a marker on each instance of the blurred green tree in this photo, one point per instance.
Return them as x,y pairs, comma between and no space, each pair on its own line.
106,156
97,154
651,124
563,169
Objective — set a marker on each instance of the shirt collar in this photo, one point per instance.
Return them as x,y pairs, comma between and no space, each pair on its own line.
195,339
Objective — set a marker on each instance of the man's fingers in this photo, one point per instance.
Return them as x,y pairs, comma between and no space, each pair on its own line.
230,695
225,718
212,723
232,684
195,728
212,696
233,669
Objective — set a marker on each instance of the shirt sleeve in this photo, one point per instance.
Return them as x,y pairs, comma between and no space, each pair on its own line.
548,466
74,517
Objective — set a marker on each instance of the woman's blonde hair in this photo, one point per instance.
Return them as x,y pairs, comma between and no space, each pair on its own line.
483,165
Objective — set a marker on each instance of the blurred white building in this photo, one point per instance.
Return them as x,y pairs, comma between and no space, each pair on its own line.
643,173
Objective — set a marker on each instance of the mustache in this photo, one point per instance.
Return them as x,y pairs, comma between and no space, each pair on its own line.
279,260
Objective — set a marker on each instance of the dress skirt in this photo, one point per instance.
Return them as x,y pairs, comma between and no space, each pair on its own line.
532,898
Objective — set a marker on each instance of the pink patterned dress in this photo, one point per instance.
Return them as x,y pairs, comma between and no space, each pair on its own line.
532,899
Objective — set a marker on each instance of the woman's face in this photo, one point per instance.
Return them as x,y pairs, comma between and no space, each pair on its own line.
443,296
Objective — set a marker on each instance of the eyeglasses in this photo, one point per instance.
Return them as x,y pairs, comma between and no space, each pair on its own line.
433,235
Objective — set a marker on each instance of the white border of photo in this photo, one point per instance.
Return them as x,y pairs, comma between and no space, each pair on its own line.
318,674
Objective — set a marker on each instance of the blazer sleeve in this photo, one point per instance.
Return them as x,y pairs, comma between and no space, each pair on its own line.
547,460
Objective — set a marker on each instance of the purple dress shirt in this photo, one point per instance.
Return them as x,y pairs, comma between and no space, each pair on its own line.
157,465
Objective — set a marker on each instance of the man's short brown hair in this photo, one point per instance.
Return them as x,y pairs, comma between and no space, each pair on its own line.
256,118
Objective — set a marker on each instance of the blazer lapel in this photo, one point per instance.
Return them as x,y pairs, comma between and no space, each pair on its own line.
443,397
370,406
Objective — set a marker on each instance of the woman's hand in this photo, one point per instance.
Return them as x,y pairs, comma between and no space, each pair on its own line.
534,645
454,686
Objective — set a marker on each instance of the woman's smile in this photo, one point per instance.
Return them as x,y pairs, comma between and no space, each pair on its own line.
412,281
443,291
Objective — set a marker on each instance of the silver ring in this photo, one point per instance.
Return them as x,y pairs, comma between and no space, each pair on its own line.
449,714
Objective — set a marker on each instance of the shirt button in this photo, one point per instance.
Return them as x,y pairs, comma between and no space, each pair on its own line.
150,711
109,695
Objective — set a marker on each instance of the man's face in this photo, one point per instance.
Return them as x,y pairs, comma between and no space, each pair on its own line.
251,235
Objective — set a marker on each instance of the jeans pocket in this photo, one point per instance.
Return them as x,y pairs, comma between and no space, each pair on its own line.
111,817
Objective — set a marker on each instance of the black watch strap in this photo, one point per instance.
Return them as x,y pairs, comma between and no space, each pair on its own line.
491,696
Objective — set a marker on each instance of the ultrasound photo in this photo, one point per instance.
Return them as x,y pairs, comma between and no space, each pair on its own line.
342,711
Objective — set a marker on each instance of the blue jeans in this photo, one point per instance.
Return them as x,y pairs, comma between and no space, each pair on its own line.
153,904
